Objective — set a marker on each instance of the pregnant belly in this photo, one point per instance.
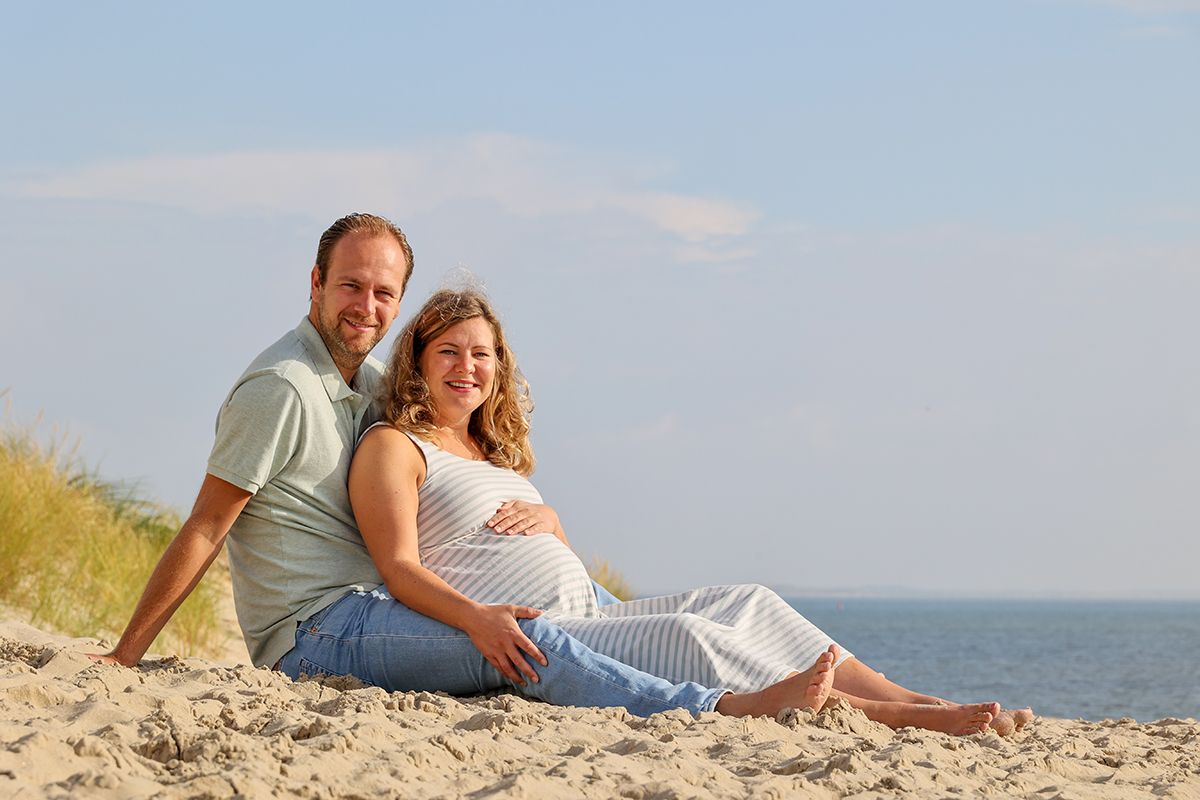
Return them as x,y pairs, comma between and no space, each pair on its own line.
538,571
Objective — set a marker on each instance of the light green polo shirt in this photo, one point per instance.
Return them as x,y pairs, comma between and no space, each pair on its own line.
286,433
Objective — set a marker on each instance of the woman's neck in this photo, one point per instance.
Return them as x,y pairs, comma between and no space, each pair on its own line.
455,437
460,426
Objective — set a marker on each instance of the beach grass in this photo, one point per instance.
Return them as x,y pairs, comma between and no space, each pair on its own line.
75,551
605,574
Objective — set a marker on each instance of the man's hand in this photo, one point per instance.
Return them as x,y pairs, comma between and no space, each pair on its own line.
107,658
495,632
517,517
181,567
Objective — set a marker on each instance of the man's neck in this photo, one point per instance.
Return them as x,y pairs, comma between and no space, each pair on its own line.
348,371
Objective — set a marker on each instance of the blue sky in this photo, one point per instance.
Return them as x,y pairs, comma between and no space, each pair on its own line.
817,295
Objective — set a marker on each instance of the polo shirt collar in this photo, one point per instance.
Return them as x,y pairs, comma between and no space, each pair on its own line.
335,385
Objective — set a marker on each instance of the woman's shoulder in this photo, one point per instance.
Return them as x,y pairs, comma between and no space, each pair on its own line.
383,440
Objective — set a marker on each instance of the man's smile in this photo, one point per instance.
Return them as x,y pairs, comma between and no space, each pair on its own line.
359,326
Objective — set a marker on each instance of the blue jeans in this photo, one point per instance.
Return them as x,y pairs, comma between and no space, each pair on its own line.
382,642
603,596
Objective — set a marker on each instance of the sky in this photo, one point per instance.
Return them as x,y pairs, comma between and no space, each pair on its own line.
834,297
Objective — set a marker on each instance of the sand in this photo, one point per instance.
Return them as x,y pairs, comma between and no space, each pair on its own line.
196,728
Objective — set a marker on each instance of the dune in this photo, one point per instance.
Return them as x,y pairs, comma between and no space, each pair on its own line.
189,727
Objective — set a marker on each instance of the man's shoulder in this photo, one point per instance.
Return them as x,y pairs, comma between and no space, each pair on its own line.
286,355
286,362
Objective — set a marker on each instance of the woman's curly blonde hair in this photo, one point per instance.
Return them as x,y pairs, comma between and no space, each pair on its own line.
501,425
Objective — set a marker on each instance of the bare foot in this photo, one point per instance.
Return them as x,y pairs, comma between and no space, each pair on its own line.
809,690
1007,722
962,720
1021,716
1003,723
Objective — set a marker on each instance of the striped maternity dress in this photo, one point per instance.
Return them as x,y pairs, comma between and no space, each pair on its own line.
741,637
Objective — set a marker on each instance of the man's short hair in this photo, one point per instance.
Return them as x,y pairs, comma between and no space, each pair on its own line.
370,224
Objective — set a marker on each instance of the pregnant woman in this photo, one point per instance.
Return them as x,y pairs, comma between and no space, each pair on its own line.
441,496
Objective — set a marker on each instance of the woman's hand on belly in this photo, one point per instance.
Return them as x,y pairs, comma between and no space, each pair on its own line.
519,518
494,631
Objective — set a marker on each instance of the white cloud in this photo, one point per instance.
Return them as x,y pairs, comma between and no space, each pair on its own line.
714,253
817,428
693,219
1153,31
1154,6
655,430
526,178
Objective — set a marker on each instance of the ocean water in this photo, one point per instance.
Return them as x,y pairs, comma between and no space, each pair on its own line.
1076,659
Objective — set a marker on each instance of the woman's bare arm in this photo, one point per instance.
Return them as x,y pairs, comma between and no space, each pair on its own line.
384,477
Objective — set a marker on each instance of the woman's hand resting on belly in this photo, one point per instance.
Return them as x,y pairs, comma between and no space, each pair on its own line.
520,518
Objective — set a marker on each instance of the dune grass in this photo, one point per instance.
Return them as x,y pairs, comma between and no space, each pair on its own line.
605,574
75,551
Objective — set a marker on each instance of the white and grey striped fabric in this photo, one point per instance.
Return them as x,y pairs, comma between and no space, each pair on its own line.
457,499
742,638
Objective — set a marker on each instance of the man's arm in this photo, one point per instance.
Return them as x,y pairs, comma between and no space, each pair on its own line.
181,567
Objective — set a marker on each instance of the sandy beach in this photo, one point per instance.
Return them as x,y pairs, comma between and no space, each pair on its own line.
197,728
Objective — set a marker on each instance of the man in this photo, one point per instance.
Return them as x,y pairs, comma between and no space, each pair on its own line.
276,486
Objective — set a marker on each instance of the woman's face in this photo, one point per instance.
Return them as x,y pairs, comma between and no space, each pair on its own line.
460,367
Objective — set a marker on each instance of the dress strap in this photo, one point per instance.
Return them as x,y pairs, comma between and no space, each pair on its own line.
426,447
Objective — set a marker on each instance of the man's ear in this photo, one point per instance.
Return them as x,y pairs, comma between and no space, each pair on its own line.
315,282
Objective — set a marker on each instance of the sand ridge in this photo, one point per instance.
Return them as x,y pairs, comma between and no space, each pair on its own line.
194,728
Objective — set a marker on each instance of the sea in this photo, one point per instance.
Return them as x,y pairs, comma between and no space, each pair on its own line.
1076,659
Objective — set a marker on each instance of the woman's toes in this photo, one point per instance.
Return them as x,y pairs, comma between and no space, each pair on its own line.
978,723
1004,724
1022,717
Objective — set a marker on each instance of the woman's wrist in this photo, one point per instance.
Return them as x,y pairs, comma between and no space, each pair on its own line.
471,615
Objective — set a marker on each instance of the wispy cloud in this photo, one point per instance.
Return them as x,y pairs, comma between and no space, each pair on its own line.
1153,31
524,177
1154,6
693,219
654,430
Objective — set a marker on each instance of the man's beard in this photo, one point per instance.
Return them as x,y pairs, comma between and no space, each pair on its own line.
345,355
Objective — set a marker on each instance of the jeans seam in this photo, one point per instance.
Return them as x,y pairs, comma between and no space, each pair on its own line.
318,634
605,679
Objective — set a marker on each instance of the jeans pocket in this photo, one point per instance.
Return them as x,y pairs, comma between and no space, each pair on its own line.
311,670
313,623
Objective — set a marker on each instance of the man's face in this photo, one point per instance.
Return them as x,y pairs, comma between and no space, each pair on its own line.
360,297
